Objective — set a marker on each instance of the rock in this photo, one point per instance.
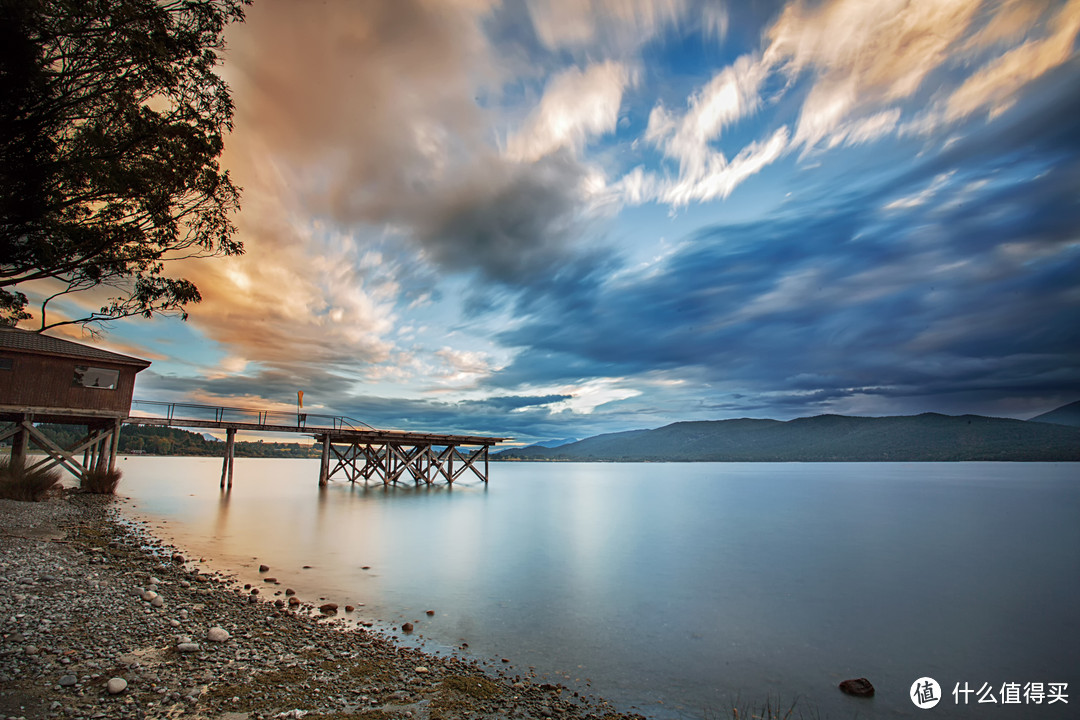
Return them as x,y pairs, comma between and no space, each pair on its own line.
328,608
116,685
187,647
177,558
349,608
217,634
430,613
859,687
294,601
290,591
31,650
421,670
157,602
407,627
68,680
270,580
149,595
264,568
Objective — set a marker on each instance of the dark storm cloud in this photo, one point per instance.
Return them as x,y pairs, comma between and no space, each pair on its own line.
515,222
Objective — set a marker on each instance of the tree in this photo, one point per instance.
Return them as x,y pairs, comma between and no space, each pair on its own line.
112,121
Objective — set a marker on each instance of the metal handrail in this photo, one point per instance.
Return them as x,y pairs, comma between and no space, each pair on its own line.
262,417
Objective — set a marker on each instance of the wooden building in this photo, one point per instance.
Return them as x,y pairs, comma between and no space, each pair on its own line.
45,379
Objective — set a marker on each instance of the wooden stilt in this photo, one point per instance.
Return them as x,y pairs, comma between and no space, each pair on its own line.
227,461
18,448
115,444
324,464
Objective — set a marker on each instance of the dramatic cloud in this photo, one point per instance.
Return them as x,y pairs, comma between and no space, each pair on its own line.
950,283
553,218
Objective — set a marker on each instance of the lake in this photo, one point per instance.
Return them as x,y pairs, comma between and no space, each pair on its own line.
674,588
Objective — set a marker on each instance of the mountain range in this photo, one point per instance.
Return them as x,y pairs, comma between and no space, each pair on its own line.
931,437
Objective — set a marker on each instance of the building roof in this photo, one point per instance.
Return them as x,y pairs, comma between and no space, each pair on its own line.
32,342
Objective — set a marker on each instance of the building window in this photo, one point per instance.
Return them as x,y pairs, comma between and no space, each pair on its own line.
93,377
5,363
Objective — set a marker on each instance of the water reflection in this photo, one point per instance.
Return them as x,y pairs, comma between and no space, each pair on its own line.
680,583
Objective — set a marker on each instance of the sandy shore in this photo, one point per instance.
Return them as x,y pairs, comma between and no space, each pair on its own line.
100,621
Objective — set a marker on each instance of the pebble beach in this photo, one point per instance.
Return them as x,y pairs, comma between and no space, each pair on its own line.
98,619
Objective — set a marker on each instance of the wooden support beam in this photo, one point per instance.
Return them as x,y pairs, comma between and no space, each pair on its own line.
56,455
227,461
395,461
324,463
117,424
9,431
18,447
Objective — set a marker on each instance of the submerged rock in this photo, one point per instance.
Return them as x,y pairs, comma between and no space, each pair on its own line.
859,687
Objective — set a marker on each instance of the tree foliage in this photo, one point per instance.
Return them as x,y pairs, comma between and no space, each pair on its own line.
112,121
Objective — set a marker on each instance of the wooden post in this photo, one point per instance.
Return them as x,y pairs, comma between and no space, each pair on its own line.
324,464
115,444
486,463
102,454
18,449
227,462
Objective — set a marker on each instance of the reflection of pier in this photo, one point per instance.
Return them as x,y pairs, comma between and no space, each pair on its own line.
361,454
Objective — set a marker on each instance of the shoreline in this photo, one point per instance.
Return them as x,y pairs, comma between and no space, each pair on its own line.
87,597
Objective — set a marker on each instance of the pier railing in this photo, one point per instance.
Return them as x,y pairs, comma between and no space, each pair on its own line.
224,415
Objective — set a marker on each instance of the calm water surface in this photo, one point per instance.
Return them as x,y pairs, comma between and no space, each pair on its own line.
674,588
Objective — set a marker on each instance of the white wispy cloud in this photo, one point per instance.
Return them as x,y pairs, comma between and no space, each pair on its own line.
731,95
577,105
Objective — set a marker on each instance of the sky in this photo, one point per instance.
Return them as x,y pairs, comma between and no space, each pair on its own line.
558,218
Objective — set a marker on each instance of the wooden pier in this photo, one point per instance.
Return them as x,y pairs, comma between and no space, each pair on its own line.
51,380
359,454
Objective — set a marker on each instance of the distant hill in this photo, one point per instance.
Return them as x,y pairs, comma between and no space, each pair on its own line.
1064,415
555,443
825,438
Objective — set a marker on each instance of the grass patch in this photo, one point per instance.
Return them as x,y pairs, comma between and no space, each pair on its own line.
769,711
100,481
27,485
